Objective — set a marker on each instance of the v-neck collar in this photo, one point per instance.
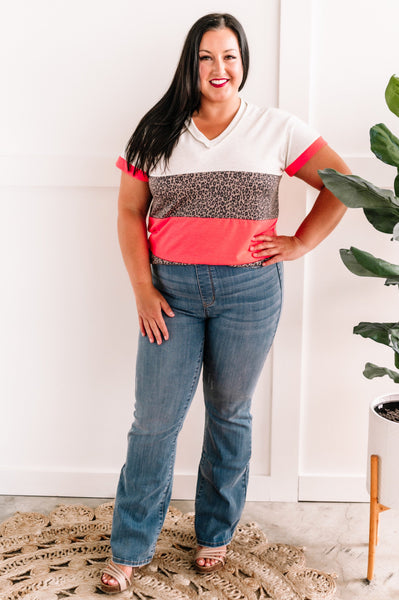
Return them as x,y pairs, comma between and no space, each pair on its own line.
195,132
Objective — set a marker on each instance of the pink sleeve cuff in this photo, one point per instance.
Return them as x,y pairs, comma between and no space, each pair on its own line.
122,164
305,156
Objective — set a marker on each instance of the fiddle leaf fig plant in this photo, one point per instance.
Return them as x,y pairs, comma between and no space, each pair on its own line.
381,209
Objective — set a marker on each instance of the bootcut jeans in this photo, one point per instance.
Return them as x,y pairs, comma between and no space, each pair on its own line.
225,321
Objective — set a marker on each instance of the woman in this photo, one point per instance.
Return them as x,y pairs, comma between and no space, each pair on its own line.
207,282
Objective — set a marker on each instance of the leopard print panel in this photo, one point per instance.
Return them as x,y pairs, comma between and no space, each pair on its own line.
155,260
220,194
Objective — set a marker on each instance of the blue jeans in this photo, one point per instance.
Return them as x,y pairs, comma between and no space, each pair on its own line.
225,321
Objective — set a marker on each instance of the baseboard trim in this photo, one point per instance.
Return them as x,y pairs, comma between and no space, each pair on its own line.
322,488
62,482
91,484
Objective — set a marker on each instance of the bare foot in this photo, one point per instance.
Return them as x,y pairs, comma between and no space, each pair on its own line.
209,562
108,580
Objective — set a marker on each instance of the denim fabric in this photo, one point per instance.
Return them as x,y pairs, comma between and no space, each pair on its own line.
225,321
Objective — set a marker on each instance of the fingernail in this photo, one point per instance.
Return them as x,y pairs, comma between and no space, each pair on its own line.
251,248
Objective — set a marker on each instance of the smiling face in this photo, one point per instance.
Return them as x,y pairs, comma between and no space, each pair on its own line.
220,66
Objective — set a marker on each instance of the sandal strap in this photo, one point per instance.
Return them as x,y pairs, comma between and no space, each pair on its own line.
215,553
117,573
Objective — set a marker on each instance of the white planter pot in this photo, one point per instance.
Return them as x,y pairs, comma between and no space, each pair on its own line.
384,442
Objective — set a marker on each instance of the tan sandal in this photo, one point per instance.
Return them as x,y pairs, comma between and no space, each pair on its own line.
124,582
218,554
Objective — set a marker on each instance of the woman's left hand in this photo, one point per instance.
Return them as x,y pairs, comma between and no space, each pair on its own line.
276,248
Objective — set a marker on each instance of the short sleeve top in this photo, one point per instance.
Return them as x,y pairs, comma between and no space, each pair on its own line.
215,195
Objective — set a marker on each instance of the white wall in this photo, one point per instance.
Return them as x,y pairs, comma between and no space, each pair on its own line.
78,77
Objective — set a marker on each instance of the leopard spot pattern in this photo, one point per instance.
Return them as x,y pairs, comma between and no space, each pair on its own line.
220,194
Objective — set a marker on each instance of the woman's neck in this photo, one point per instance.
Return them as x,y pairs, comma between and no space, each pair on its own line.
211,120
217,112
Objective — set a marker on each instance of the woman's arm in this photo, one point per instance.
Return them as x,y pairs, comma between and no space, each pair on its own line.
325,215
133,202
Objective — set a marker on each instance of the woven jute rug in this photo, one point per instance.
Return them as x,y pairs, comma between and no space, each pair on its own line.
56,556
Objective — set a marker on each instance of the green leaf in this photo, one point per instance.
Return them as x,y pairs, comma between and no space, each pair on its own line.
356,192
352,264
396,232
365,264
382,333
384,144
394,337
392,94
378,266
379,332
396,184
383,219
371,371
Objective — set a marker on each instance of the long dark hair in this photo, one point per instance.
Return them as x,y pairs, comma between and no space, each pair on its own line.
158,131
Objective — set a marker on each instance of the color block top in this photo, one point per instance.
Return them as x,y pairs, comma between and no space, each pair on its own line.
215,195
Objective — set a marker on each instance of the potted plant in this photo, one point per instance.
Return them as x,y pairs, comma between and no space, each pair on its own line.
381,208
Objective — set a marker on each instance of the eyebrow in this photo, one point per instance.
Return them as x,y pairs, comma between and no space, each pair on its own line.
209,52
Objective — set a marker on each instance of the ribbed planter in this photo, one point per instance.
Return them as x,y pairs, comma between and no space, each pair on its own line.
384,442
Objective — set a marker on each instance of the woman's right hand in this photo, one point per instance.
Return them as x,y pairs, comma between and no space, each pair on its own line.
150,304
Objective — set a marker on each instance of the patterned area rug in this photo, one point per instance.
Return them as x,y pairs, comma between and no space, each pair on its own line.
61,555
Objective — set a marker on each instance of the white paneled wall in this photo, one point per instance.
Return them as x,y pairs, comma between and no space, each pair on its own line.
78,77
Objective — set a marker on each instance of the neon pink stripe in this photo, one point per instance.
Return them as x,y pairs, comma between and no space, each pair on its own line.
122,164
206,241
305,156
